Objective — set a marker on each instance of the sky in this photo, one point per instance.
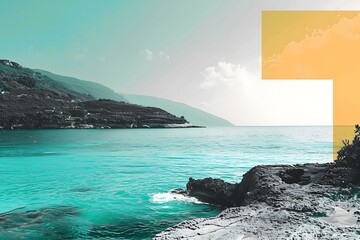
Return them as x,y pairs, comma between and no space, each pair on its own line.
205,53
324,53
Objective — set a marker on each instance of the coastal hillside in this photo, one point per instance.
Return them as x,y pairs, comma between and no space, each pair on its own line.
32,100
194,115
98,91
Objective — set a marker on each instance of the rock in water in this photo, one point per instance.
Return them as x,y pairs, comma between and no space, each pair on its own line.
179,191
211,190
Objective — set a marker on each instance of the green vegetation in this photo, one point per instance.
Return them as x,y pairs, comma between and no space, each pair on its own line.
95,90
349,154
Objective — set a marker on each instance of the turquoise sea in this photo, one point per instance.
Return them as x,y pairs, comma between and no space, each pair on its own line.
113,184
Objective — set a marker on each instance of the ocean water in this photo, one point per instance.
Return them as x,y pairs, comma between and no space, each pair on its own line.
114,184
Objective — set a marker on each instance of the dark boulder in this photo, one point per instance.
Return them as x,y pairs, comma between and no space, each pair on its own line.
211,190
179,191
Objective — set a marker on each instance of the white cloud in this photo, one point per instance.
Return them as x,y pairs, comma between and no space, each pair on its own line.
151,55
235,93
226,73
162,55
148,54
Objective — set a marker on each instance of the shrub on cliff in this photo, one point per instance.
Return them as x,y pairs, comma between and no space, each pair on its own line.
349,154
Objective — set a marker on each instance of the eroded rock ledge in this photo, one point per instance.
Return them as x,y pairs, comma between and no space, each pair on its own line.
308,201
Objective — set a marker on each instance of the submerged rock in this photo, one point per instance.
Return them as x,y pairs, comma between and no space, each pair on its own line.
83,189
278,202
46,223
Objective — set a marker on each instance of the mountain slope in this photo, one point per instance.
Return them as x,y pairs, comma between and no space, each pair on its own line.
13,77
193,115
93,89
32,100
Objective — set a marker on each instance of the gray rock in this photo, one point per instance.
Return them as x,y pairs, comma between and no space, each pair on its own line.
309,201
179,191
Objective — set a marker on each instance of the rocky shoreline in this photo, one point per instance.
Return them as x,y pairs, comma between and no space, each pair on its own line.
307,201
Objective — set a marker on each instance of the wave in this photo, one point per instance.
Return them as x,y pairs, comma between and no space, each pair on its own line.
169,197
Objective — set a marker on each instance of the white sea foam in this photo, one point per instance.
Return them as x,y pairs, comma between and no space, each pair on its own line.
169,197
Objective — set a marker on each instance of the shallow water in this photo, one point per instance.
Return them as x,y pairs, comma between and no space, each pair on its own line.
116,181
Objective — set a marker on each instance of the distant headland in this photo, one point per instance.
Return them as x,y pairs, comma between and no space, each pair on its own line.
30,99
